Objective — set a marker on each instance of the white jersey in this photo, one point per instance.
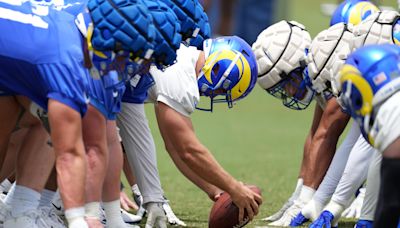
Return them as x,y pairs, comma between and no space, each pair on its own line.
386,127
177,85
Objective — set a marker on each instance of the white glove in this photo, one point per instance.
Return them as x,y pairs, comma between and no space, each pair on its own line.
171,217
312,210
156,216
288,203
354,210
289,214
279,213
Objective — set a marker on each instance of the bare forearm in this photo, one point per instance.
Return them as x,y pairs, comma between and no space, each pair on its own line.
207,187
204,164
306,154
318,161
323,146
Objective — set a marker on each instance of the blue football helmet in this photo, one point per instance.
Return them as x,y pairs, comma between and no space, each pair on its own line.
193,20
370,76
230,70
168,37
353,11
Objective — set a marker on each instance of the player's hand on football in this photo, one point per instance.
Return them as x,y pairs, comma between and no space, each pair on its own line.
247,201
215,195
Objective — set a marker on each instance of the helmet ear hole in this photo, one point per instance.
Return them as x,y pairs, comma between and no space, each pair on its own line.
358,102
216,69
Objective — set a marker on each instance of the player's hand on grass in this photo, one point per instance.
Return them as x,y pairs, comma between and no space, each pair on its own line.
324,220
354,210
289,214
287,205
126,203
279,214
246,200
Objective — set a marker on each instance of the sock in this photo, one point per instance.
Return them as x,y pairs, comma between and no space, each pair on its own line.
113,214
24,199
10,194
5,186
92,210
306,193
75,217
46,198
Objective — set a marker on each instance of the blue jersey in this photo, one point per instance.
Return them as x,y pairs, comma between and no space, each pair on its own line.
106,94
41,54
136,89
105,88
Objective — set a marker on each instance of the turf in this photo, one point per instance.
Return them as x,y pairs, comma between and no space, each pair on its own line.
259,141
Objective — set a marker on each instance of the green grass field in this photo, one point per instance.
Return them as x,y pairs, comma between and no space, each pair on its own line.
259,141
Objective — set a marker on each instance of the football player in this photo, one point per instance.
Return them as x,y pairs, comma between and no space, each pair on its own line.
353,11
106,95
370,93
380,27
176,94
281,74
135,133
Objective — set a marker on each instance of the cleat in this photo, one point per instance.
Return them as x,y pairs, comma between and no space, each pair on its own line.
51,218
130,218
29,219
4,209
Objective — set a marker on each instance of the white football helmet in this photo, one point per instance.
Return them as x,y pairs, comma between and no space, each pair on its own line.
281,51
328,51
378,28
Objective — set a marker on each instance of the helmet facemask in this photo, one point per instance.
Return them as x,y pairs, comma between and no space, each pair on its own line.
293,90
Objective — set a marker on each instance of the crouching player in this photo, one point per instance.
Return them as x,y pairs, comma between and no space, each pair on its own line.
105,91
56,78
137,139
226,65
370,86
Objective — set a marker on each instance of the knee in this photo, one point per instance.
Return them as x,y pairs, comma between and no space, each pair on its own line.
68,158
95,150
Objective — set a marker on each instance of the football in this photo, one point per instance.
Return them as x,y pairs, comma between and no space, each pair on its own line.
225,213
